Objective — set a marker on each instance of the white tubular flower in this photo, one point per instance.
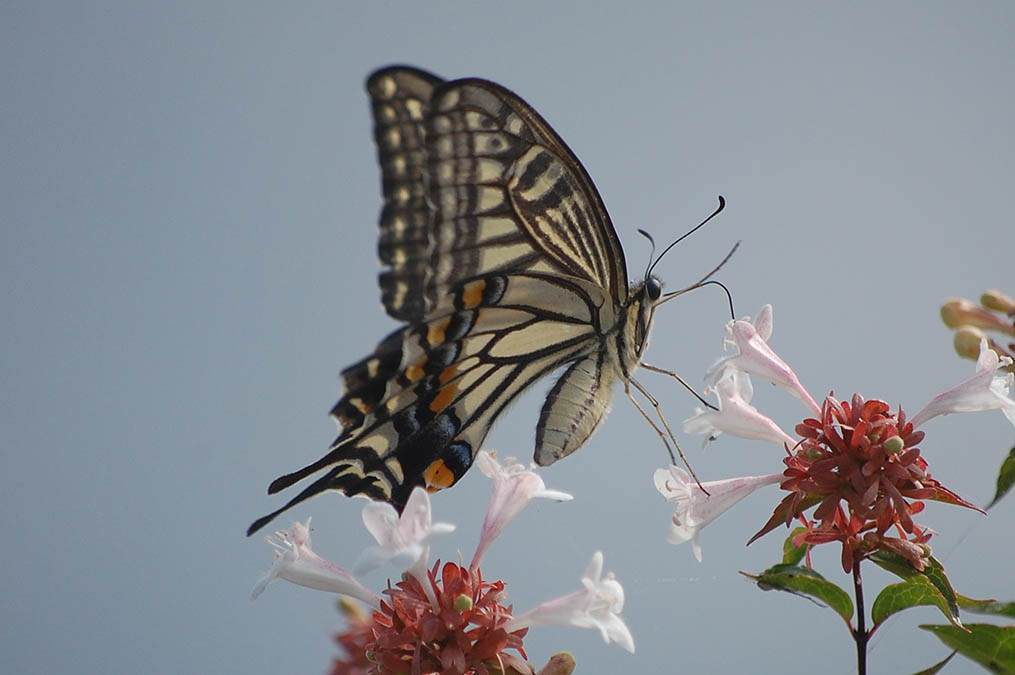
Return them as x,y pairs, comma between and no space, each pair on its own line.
401,540
296,562
514,487
736,415
986,390
694,508
597,605
754,356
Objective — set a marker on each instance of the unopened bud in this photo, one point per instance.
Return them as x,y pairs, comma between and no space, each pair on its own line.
998,301
954,310
967,342
894,445
959,312
813,452
351,610
463,603
559,664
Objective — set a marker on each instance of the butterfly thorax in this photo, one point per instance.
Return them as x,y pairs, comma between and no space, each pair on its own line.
634,324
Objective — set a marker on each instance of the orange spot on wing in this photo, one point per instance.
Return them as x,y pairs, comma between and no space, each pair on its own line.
448,373
438,476
443,398
415,371
361,405
472,294
435,333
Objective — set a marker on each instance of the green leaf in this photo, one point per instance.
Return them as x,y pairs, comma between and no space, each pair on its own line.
988,607
993,647
1005,478
936,668
894,563
934,572
791,555
805,582
916,592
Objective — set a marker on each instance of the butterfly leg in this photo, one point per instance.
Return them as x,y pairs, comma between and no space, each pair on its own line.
658,410
656,369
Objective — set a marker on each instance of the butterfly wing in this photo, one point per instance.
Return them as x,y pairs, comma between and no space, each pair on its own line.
502,258
475,182
400,100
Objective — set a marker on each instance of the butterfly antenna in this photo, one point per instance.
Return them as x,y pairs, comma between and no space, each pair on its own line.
722,205
704,281
729,296
652,252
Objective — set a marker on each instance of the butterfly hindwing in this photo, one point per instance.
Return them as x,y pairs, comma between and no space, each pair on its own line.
456,373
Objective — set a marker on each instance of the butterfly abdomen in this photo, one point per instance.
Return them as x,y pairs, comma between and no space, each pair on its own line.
574,407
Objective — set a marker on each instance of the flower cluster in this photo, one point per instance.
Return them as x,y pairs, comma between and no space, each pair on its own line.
855,462
462,633
860,463
445,619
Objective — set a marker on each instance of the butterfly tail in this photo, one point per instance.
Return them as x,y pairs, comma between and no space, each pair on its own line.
337,479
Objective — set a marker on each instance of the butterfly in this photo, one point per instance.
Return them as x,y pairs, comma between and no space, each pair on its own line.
502,262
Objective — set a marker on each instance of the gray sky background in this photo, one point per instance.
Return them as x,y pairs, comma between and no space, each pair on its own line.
189,197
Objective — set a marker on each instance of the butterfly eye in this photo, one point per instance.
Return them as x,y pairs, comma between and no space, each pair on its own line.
653,289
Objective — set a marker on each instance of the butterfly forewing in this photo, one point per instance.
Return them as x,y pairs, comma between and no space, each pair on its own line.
400,100
501,176
503,262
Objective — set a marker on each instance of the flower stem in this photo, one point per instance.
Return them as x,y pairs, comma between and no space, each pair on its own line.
860,635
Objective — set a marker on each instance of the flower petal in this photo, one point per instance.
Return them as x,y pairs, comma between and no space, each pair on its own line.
986,390
756,357
694,508
736,416
514,487
401,540
596,605
296,562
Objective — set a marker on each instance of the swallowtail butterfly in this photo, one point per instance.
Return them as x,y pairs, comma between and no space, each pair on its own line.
503,264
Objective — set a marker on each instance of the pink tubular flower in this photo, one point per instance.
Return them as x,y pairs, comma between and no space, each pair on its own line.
401,539
736,415
296,562
514,487
986,390
754,356
597,605
694,508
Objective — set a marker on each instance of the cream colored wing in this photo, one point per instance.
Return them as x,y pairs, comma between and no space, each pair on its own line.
476,182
